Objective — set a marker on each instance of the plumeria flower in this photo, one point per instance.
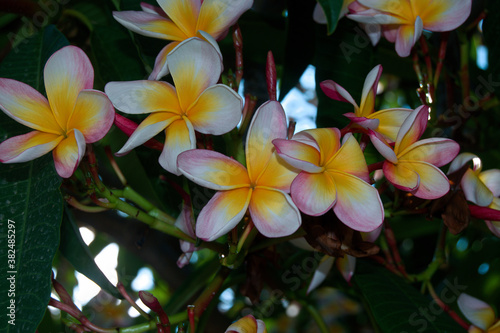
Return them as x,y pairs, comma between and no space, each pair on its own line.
412,165
386,122
261,187
178,20
73,114
247,324
481,188
480,314
195,103
332,176
404,21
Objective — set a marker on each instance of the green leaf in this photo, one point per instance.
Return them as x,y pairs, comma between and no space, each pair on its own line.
397,307
332,10
78,254
30,197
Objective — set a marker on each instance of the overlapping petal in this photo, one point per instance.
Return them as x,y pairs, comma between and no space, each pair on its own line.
436,151
336,92
150,24
183,13
491,178
273,212
350,159
66,73
27,106
401,176
93,115
269,123
179,137
216,111
68,153
222,213
358,204
160,68
314,193
433,183
369,92
212,169
412,128
247,324
299,155
136,97
194,65
27,147
328,139
476,311
443,15
390,121
475,190
277,174
152,125
217,15
407,36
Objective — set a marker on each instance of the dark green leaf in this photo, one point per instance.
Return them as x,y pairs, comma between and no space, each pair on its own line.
78,254
332,10
29,196
397,307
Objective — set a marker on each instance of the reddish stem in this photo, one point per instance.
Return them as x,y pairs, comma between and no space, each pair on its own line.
271,77
152,302
190,311
238,46
428,62
442,56
75,313
447,309
391,240
384,263
375,166
121,289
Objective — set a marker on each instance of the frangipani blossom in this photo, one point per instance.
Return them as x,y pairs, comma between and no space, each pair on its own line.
73,115
412,165
481,188
404,21
480,314
333,176
196,102
247,324
261,187
178,20
386,122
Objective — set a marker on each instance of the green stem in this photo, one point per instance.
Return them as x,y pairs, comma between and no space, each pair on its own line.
317,317
210,291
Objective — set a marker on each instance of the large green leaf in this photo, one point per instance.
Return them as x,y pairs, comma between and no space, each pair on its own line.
29,196
397,307
332,10
78,254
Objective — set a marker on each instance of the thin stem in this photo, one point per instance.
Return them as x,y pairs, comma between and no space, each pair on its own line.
210,291
317,317
190,312
121,289
446,308
391,240
115,166
84,208
442,56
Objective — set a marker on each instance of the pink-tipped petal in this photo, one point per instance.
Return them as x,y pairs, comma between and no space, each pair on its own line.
273,213
433,183
152,9
27,106
350,159
336,92
212,169
491,178
358,203
346,266
400,176
222,213
68,153
313,193
463,159
444,15
374,32
435,151
216,111
179,137
319,14
160,68
298,155
475,190
476,311
320,274
363,121
150,25
216,16
136,97
390,121
66,73
369,92
93,115
383,147
27,147
412,128
268,123
194,65
183,13
407,36
152,125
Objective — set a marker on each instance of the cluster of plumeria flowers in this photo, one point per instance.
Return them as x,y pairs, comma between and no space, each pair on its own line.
283,175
